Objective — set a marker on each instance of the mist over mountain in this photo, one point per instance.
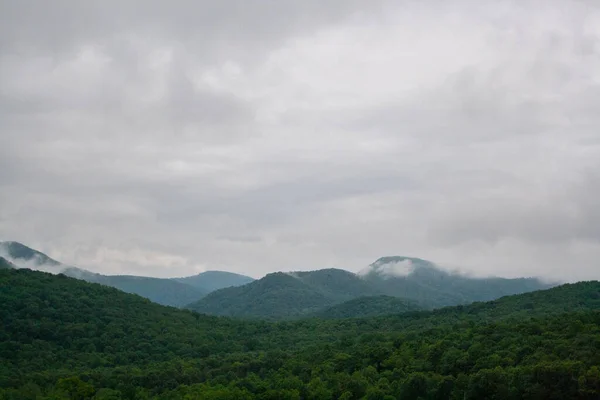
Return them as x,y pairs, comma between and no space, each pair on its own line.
294,294
5,264
418,282
170,292
286,295
26,257
423,281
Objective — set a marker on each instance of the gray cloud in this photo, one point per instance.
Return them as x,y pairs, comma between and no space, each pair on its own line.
165,138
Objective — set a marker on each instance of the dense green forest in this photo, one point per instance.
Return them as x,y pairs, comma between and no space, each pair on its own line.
62,338
369,306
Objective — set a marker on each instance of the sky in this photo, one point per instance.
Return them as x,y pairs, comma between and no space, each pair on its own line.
168,138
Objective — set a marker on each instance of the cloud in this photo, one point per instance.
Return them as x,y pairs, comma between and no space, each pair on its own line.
161,139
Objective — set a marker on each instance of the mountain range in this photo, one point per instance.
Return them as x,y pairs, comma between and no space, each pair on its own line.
175,292
64,338
414,282
387,286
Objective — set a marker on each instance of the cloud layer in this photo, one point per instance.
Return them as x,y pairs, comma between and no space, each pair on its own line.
162,139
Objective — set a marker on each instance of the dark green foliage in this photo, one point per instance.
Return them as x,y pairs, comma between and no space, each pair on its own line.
210,281
277,295
285,295
369,307
337,284
62,338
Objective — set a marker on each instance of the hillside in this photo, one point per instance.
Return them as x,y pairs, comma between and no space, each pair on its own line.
163,291
337,284
64,338
422,281
369,307
306,292
277,295
210,281
286,295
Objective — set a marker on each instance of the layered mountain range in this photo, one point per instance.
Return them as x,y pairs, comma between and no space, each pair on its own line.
64,338
390,285
166,291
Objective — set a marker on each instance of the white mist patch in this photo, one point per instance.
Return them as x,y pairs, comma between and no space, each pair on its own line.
396,269
35,263
389,270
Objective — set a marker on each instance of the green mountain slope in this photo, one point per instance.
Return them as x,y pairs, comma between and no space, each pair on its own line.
209,281
63,338
411,279
337,284
286,295
424,282
163,291
369,307
167,292
277,295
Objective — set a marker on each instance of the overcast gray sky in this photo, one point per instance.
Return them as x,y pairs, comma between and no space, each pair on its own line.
165,138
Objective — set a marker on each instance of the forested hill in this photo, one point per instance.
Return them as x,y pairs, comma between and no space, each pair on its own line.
284,295
303,293
369,306
277,295
62,338
176,292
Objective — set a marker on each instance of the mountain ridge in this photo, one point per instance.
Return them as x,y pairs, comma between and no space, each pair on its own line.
412,279
165,291
77,339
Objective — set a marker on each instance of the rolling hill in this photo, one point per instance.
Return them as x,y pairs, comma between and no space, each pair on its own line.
370,306
170,292
286,295
167,292
209,281
277,295
313,292
293,294
64,338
